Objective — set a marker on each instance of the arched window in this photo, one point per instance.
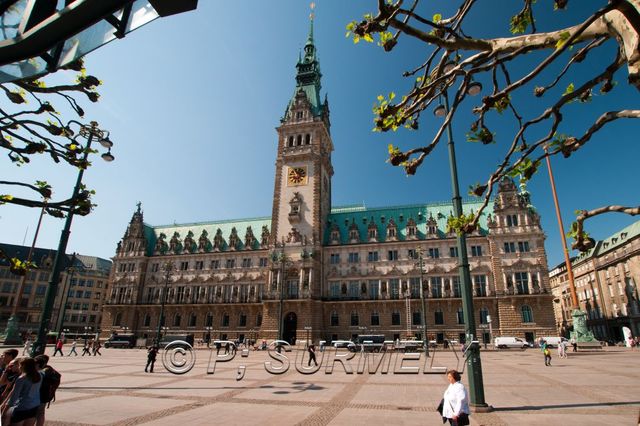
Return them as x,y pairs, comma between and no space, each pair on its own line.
307,139
375,318
117,321
299,140
177,320
484,313
335,320
290,144
527,314
147,320
355,320
193,319
209,320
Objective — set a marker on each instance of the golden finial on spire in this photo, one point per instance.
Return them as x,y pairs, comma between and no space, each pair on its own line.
312,6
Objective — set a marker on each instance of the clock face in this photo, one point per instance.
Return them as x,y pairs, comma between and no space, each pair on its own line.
297,175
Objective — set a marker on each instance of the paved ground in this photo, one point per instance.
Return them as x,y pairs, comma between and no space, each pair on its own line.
590,388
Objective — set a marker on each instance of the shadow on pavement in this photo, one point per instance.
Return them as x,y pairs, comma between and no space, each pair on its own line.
551,407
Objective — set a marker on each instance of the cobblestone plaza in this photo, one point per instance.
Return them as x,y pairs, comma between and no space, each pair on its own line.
588,388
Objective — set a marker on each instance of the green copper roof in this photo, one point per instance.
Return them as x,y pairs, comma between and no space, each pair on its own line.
619,238
152,233
308,77
363,216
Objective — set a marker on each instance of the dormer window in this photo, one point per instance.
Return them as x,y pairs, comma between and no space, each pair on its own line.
354,233
299,115
411,229
372,232
392,230
335,235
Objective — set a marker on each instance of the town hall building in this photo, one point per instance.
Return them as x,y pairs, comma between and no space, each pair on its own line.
332,272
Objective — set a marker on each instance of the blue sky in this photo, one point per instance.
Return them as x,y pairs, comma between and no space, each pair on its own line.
192,102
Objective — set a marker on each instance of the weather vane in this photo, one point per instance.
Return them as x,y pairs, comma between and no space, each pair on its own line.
312,6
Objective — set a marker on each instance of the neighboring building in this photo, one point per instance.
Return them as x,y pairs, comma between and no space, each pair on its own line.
350,270
85,282
605,278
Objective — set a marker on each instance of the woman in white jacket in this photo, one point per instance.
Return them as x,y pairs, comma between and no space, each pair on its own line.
456,401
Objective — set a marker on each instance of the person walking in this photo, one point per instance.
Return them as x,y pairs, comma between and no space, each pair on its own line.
574,344
547,353
96,347
86,349
563,345
455,403
73,349
58,348
312,355
27,346
151,358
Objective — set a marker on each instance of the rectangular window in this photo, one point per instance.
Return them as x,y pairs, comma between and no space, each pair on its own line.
155,267
184,266
246,262
81,283
411,254
453,251
436,287
394,283
509,247
455,285
215,264
460,315
392,255
199,265
263,262
41,290
416,318
434,253
522,282
512,220
372,256
79,293
353,258
27,289
354,289
231,263
523,246
395,318
335,258
414,286
374,289
476,251
439,318
89,283
87,295
334,289
480,285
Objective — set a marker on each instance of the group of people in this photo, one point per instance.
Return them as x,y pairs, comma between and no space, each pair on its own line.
91,347
21,380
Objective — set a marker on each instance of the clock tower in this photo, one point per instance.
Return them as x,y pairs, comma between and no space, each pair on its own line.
302,190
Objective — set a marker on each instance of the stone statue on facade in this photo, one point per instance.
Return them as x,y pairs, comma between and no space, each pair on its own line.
294,236
175,245
161,245
218,240
189,243
264,237
203,242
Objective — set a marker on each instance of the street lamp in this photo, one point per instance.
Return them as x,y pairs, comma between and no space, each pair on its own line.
87,329
81,206
65,295
168,270
12,332
281,258
208,335
420,264
476,386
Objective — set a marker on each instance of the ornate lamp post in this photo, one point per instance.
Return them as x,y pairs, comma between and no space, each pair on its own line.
279,257
65,295
476,386
168,270
420,264
87,329
89,133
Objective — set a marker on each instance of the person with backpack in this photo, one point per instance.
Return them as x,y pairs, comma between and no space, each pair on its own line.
24,399
547,353
50,382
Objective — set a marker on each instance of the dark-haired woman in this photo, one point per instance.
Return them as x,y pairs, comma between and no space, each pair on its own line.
456,401
25,398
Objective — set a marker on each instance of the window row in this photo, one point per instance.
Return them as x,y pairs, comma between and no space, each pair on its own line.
199,265
510,247
241,320
236,293
413,254
395,288
298,140
416,318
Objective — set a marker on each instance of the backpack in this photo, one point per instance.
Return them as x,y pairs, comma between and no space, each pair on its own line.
50,383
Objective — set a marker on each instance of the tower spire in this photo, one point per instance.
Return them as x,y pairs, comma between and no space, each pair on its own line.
311,17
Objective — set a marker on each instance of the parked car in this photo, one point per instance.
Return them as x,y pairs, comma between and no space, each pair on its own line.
188,338
511,342
370,342
554,341
125,341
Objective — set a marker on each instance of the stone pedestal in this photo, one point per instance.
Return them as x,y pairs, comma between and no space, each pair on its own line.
12,333
580,331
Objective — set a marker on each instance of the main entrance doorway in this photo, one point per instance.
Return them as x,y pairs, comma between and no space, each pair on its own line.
289,328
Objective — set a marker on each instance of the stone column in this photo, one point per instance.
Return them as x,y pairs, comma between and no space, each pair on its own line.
530,282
